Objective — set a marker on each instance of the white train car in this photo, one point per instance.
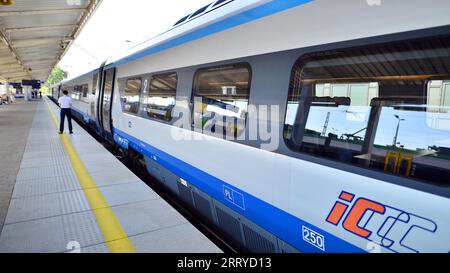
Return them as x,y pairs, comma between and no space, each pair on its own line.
84,91
293,125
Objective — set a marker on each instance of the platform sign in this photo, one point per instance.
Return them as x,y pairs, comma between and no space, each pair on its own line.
35,84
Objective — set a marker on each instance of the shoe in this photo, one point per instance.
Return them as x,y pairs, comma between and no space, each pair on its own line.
60,133
71,133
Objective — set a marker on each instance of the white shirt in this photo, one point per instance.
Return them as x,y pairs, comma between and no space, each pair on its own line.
65,102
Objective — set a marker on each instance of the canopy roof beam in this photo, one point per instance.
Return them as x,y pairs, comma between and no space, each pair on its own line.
35,35
40,12
40,28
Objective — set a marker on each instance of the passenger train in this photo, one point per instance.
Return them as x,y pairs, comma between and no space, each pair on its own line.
292,125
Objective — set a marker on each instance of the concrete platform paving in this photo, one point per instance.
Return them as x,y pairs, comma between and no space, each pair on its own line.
15,124
49,211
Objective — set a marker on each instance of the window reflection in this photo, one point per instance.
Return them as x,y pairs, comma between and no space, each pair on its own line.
160,100
221,100
382,107
130,97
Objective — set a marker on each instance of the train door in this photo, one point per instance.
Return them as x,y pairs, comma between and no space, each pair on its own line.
107,95
56,92
99,99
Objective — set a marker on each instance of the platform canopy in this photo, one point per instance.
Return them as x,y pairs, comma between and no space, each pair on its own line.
35,35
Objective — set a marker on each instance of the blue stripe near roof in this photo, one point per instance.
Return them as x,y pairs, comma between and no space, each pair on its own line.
275,6
285,226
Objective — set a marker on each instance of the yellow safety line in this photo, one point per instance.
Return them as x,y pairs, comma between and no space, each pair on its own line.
115,237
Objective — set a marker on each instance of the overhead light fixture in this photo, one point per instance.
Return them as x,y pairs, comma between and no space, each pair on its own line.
6,2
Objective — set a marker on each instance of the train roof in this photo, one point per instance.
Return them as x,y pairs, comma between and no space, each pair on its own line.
215,12
223,15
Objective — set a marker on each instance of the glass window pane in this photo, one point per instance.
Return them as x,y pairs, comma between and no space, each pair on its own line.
340,90
359,94
130,98
92,97
320,90
160,100
85,90
94,84
221,100
388,110
75,92
447,95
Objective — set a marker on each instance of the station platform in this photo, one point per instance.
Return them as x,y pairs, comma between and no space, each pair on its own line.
72,195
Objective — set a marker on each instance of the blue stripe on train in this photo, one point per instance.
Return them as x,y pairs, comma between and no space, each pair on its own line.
84,116
278,222
87,119
272,7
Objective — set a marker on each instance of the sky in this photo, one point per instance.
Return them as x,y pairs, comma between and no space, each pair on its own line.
417,130
118,25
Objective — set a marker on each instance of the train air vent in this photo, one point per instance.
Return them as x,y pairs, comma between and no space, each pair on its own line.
256,243
203,206
185,194
230,225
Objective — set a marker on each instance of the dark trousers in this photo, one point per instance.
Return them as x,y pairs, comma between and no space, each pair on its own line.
66,113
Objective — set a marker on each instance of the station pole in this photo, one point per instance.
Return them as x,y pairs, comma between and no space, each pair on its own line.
26,92
8,92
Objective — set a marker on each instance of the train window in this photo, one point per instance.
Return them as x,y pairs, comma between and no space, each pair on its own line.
76,92
130,98
84,92
221,99
106,102
384,107
92,97
159,102
71,91
94,84
79,92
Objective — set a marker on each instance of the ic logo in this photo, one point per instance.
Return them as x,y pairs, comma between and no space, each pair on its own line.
355,215
384,225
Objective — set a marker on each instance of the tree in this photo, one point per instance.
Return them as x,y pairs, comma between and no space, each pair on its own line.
57,76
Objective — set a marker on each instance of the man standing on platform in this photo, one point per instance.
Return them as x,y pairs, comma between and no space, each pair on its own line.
65,102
